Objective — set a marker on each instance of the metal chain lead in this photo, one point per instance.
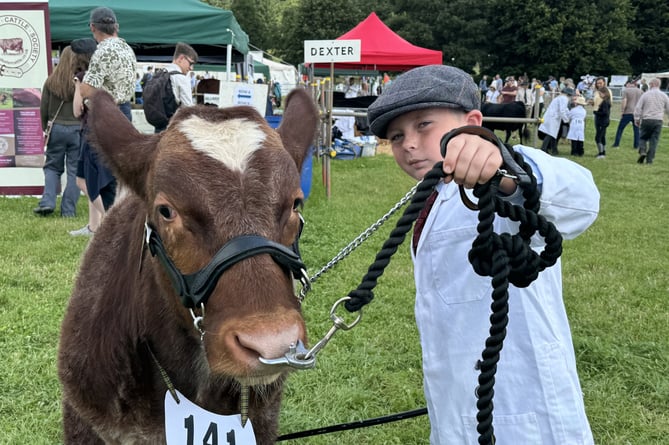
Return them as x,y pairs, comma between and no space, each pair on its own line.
346,251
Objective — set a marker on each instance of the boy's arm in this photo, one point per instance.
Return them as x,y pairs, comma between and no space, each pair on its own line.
569,196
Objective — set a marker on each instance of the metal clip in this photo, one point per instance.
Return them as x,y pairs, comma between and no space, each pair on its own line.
504,173
197,321
298,357
295,358
338,323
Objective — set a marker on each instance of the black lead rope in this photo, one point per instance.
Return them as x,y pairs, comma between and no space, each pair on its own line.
504,257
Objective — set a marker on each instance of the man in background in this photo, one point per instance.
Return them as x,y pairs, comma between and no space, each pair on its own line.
113,65
631,95
182,62
648,116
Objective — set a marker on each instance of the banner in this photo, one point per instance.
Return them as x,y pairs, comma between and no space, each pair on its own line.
25,63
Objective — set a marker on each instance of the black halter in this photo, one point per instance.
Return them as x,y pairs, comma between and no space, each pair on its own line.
195,289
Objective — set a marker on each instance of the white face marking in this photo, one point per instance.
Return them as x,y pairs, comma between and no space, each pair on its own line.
231,141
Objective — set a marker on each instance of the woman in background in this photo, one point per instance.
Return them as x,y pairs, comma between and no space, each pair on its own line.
62,150
602,120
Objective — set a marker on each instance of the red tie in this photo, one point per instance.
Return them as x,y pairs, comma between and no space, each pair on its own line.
422,216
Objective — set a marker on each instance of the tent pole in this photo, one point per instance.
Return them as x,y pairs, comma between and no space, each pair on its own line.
328,158
228,62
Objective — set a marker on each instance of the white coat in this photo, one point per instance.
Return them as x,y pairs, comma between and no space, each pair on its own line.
576,123
537,396
555,113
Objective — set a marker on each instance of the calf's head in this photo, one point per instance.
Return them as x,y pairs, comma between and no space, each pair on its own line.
213,176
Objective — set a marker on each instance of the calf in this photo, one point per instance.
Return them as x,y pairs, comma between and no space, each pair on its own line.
512,109
215,198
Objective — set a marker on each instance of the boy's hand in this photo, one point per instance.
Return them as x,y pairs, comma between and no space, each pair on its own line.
471,160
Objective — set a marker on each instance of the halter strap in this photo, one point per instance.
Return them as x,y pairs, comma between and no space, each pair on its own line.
195,289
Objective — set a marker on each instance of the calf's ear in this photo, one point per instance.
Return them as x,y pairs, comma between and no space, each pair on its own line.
299,124
127,152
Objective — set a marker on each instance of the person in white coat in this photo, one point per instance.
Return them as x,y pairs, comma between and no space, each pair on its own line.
555,114
576,132
537,395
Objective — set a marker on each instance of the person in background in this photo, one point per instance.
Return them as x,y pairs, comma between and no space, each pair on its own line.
600,82
648,116
147,76
182,62
576,132
602,120
112,68
492,96
555,114
193,82
643,86
62,150
631,96
509,91
538,398
525,94
113,65
539,99
352,88
138,89
483,87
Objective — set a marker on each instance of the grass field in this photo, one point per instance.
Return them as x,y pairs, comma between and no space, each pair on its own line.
616,289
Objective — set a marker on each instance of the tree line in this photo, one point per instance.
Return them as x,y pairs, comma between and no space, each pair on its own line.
539,38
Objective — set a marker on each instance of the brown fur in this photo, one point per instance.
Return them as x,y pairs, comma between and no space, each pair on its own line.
123,301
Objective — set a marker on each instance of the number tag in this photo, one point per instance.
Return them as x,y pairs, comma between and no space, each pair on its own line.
188,424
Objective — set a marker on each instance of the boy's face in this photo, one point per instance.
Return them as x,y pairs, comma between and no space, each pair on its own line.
415,136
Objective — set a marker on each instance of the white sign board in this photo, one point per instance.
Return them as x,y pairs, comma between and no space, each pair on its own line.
319,51
618,80
240,93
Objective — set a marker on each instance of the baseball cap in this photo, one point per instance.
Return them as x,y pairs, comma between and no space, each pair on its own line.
103,15
431,86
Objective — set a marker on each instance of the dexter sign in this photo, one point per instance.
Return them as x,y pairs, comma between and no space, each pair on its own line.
317,51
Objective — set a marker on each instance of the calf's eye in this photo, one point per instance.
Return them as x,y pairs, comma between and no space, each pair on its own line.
166,212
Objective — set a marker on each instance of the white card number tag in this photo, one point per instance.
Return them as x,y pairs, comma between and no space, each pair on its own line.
188,424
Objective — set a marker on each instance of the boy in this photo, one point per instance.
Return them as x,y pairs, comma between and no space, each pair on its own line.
537,393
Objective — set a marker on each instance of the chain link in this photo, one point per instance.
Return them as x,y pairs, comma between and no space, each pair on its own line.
346,251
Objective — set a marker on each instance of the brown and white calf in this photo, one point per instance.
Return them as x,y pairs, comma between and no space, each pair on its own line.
213,176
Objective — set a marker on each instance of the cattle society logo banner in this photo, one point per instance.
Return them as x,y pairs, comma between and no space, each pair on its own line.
24,66
19,46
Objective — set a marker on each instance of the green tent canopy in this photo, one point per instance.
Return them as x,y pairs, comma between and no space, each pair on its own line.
153,28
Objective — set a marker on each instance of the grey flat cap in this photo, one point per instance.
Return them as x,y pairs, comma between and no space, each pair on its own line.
432,86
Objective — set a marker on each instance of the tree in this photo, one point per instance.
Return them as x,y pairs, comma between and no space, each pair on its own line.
316,20
651,53
254,16
559,37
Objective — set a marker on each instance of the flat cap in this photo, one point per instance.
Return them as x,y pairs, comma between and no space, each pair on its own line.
432,86
84,46
103,15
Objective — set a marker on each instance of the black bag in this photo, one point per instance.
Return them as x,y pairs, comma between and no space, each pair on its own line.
159,101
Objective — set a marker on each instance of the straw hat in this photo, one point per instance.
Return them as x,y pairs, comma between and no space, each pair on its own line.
580,100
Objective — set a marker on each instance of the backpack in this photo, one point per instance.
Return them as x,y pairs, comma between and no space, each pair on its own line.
159,101
145,78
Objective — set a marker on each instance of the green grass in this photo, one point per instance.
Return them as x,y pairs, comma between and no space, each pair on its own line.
615,287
